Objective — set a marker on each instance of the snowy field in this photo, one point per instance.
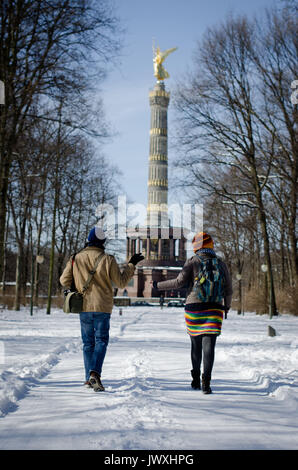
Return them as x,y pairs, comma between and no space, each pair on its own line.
148,402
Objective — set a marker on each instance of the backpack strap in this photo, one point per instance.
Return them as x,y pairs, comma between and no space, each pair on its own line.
203,258
73,286
91,274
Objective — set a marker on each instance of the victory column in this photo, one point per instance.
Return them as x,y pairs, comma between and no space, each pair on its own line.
163,255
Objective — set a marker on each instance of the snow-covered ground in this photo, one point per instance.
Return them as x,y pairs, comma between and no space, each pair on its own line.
148,402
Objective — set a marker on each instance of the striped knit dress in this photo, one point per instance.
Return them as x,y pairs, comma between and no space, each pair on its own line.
203,319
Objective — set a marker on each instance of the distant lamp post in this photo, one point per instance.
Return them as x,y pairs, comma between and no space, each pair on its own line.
2,92
39,260
264,268
240,306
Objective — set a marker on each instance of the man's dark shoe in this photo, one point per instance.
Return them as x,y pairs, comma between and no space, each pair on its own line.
95,382
196,382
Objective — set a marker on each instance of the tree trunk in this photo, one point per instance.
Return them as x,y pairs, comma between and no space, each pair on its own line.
52,253
293,236
4,175
39,231
56,199
5,256
282,252
263,223
17,298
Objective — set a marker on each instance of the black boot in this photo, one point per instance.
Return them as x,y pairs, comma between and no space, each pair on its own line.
206,384
196,382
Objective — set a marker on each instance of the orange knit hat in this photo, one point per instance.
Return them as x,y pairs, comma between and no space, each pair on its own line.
202,240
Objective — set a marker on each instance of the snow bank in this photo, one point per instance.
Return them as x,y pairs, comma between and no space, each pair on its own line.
26,352
16,381
148,402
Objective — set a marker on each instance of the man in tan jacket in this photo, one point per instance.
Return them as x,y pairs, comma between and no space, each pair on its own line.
98,299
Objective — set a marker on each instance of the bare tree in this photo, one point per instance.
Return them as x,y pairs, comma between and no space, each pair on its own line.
275,57
45,47
219,128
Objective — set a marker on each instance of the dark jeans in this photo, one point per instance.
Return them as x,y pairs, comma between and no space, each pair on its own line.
203,346
95,327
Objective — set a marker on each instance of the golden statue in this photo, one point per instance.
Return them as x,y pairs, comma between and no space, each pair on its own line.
159,71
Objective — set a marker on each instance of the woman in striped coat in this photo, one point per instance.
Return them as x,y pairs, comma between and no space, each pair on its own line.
203,319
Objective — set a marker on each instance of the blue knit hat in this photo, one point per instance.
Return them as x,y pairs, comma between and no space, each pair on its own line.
96,236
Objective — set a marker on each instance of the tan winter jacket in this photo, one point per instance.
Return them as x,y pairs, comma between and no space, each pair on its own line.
99,296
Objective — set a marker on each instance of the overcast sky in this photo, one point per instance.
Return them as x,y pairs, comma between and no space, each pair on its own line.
171,23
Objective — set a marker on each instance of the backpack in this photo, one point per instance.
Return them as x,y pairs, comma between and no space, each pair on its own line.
209,281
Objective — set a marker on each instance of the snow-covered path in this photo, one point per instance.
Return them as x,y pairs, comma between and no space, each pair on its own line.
148,402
